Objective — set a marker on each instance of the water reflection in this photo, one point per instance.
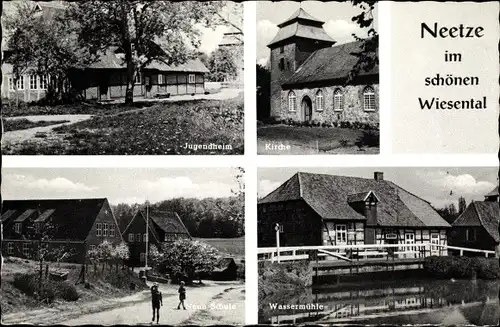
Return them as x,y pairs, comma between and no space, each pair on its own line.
410,301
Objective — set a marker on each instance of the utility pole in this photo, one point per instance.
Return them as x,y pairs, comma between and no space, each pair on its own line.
277,229
147,238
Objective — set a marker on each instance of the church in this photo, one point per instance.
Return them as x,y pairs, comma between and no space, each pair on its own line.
309,73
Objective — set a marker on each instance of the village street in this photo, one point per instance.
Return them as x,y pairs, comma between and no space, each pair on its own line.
216,304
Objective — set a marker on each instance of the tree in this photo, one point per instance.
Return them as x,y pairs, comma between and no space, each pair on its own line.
121,252
188,258
154,255
462,205
263,92
222,65
45,47
367,57
236,213
449,213
144,31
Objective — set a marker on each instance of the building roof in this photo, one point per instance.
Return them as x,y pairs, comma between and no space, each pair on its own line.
329,64
493,192
224,264
328,196
169,222
233,37
110,59
301,25
73,218
481,213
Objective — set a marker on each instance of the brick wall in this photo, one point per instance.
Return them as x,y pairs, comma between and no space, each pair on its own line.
353,110
105,216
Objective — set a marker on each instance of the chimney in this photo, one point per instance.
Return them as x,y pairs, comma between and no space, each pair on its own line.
378,176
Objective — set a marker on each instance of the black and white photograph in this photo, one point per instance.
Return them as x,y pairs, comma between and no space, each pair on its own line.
123,246
122,77
317,77
378,246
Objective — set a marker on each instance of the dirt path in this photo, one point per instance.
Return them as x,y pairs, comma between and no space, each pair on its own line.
216,303
27,134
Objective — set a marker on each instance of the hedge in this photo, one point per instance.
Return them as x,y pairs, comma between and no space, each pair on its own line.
29,284
462,267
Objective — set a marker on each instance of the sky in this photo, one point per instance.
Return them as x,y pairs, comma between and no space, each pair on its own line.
336,15
431,184
120,185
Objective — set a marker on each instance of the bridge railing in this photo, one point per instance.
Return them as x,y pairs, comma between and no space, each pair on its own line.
361,252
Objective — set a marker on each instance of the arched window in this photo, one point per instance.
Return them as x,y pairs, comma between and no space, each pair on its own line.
320,103
338,100
292,101
369,99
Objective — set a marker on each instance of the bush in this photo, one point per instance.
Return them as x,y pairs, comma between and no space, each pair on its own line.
462,267
206,92
26,283
66,291
192,94
315,123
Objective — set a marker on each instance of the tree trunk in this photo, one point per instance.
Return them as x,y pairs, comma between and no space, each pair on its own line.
40,277
129,91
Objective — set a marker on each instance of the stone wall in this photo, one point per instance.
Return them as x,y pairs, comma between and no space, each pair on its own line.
353,110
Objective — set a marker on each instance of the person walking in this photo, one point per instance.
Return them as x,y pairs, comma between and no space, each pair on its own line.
156,302
182,296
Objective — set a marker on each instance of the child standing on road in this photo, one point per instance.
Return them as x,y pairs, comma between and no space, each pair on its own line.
182,296
156,302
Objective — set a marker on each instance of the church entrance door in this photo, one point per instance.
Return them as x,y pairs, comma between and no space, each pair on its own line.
306,108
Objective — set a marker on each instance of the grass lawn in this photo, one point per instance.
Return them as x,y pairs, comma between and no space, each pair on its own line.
164,128
22,123
232,246
317,140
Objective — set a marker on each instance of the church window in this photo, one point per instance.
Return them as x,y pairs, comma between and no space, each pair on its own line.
338,100
292,101
320,103
282,64
282,49
369,99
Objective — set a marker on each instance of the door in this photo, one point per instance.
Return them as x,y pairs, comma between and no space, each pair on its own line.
148,85
307,108
434,240
409,239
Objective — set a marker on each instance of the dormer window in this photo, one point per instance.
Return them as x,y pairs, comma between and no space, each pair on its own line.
18,227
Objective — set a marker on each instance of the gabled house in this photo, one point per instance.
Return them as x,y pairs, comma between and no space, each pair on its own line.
478,226
319,209
309,73
78,225
164,227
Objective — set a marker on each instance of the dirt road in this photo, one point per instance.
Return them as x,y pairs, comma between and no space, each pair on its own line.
214,304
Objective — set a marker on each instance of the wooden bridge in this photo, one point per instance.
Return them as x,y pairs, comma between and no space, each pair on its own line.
334,260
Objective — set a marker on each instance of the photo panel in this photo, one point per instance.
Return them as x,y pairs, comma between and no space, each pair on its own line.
76,83
317,78
123,246
378,245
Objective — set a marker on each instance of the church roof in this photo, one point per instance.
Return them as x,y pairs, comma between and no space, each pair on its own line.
302,25
329,64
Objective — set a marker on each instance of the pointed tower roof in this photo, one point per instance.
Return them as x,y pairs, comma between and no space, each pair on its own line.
302,25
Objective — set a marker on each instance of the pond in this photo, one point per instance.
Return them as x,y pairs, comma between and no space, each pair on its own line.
373,302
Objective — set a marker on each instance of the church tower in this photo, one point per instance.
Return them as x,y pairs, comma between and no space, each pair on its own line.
297,38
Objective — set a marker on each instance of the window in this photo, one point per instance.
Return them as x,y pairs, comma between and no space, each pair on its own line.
37,228
130,237
369,99
18,227
99,229
341,234
138,78
338,100
470,234
10,248
92,247
160,79
33,79
282,64
20,83
112,230
26,250
320,103
169,237
11,83
142,257
282,49
192,78
138,237
43,82
292,101
145,237
105,230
